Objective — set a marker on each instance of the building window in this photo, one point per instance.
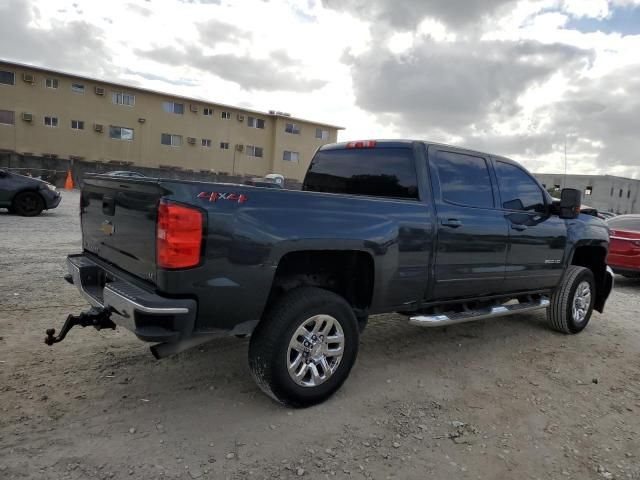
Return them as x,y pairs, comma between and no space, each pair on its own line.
206,142
254,122
51,121
254,151
292,128
588,190
77,88
322,134
628,193
51,82
7,117
224,145
121,133
611,194
171,140
290,156
122,98
207,112
620,194
225,115
77,124
7,78
173,107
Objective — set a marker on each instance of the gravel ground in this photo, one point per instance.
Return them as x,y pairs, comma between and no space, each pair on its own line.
504,398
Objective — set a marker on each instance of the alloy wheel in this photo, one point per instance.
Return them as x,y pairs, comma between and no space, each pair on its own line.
315,350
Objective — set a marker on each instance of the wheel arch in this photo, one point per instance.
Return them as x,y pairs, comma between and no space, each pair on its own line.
28,189
594,257
349,273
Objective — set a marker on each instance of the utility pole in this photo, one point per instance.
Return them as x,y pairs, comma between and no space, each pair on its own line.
565,163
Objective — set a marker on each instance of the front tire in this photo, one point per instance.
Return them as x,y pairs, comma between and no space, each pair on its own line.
572,302
305,346
28,204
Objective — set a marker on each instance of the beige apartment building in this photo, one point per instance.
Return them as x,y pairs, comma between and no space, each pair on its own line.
59,115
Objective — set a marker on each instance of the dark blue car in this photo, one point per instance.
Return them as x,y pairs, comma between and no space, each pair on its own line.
26,196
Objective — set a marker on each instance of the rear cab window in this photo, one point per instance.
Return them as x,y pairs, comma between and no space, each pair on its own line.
388,172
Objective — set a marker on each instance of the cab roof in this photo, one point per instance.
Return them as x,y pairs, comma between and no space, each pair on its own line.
408,143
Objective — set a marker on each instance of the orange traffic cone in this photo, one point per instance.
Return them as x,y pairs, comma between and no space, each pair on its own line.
68,184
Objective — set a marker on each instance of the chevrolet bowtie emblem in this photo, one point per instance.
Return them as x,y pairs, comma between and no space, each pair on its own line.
107,228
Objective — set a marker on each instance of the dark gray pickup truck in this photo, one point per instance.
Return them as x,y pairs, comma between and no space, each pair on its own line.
437,233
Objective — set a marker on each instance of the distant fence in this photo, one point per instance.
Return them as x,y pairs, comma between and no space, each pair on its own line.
54,170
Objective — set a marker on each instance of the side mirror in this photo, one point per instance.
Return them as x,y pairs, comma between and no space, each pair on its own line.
570,202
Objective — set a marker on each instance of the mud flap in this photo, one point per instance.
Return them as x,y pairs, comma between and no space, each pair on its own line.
603,294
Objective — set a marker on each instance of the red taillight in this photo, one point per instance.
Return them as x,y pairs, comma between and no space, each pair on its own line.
179,236
362,144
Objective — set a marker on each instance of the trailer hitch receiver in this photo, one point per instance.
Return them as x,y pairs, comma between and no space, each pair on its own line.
98,318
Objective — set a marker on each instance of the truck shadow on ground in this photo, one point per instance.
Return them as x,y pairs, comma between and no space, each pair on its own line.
219,368
626,284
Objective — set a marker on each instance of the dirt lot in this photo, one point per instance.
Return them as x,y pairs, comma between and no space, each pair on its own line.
499,399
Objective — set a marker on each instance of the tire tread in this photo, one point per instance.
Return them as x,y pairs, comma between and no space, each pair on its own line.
560,299
19,210
264,340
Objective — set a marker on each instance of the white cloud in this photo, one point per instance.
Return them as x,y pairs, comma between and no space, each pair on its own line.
505,75
587,8
400,42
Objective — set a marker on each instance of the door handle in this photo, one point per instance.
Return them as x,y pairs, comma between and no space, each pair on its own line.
452,222
519,227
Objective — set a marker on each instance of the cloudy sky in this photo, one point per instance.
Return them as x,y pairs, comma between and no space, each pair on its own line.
519,78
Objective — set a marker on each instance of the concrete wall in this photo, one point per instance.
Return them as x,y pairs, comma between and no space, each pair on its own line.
149,120
608,193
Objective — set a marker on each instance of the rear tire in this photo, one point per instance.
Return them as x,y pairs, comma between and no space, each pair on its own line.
304,347
28,204
572,302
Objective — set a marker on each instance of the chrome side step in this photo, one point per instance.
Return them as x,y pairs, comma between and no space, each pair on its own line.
437,320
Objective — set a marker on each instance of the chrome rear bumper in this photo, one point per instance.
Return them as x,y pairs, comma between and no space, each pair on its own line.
150,316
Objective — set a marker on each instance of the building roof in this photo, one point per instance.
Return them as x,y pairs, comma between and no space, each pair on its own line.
270,113
588,175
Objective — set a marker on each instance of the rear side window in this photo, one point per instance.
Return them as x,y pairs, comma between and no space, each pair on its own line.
625,223
379,172
464,179
517,189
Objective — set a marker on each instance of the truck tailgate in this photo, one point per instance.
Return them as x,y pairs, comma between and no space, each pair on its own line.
118,218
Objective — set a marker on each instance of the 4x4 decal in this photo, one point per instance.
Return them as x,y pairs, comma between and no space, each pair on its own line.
215,196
